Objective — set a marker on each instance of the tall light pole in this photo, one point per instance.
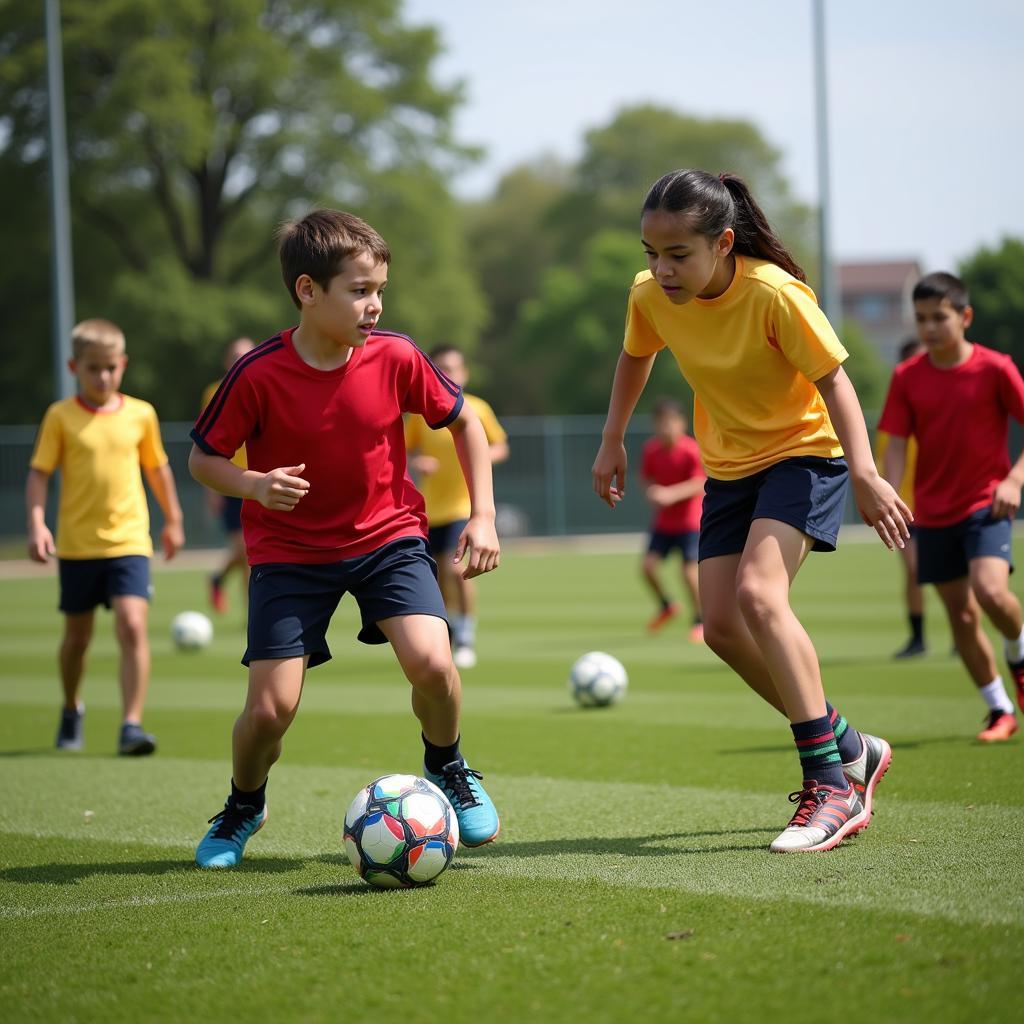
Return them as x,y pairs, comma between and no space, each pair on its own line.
827,291
62,276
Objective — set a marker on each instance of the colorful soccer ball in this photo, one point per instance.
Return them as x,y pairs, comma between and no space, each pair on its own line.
597,679
191,631
400,832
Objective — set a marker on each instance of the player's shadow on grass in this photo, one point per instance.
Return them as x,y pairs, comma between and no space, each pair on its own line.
658,845
72,874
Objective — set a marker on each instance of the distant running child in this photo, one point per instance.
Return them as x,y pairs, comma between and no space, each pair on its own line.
771,405
100,440
674,484
956,399
913,595
228,508
330,509
433,456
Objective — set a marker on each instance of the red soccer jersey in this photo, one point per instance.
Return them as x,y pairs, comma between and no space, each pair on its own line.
960,416
672,464
346,426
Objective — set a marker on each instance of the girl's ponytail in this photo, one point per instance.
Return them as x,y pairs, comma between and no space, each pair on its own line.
754,235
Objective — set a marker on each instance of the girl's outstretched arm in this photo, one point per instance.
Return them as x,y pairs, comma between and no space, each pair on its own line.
609,470
877,501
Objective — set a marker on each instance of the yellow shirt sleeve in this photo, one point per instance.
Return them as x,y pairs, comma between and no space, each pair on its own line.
641,338
414,432
492,428
802,331
49,449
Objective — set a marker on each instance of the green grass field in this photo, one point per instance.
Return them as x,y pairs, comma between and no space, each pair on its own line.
631,879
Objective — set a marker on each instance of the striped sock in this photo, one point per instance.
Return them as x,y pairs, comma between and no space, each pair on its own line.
819,755
847,740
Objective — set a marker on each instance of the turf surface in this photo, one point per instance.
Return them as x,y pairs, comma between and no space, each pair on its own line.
631,878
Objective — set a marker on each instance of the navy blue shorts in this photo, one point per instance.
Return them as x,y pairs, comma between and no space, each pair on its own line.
231,514
290,605
444,539
944,552
88,582
663,544
808,493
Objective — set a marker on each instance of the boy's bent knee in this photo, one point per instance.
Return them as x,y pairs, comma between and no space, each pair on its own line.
269,720
432,673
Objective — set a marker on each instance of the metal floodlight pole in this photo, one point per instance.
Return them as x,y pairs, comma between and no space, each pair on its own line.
62,277
828,292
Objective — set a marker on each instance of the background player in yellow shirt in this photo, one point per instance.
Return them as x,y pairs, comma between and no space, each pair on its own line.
440,479
98,440
227,507
912,592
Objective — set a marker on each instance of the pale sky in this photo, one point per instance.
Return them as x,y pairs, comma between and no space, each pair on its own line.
925,99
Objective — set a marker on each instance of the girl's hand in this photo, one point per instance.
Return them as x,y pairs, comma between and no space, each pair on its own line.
281,489
609,473
1006,500
481,541
425,465
883,509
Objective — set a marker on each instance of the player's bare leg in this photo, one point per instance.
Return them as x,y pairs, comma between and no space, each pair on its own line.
667,609
71,658
131,624
690,582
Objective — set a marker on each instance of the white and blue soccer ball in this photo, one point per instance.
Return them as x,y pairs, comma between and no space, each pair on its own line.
400,832
191,631
597,679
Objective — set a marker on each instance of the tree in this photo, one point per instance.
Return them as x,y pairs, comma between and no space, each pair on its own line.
194,128
995,282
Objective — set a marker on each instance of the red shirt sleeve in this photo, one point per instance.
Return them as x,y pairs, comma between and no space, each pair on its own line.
429,393
897,418
1011,390
230,418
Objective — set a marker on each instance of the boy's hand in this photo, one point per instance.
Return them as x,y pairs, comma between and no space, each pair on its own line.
425,465
657,495
40,544
172,537
481,541
282,489
1006,500
883,509
609,473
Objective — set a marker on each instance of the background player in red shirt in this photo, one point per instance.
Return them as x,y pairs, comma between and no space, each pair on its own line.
674,480
956,399
330,509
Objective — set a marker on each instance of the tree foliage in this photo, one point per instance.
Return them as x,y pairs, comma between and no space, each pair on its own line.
995,281
195,127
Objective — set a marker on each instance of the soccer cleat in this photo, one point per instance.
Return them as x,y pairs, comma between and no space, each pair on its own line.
865,770
477,816
911,649
464,657
218,599
134,741
1001,726
1017,672
824,817
224,843
669,612
71,731
697,633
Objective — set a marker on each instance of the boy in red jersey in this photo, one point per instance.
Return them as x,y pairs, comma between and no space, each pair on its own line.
674,480
331,509
956,399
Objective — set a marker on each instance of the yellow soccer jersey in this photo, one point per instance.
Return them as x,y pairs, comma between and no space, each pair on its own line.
750,356
239,457
906,488
102,511
445,491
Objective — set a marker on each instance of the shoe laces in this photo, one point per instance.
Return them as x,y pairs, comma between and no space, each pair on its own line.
231,820
808,801
457,785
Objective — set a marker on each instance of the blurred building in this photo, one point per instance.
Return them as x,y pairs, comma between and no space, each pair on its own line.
876,296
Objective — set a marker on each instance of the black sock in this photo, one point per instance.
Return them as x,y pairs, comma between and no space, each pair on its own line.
917,627
257,799
666,603
435,758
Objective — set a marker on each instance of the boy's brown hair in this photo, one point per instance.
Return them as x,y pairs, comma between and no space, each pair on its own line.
102,333
318,244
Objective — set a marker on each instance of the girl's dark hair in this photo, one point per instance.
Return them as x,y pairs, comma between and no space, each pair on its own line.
716,202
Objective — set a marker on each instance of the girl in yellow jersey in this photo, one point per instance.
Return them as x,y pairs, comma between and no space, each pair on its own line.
774,413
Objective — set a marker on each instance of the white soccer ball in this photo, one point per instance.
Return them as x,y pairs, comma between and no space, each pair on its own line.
191,631
597,679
